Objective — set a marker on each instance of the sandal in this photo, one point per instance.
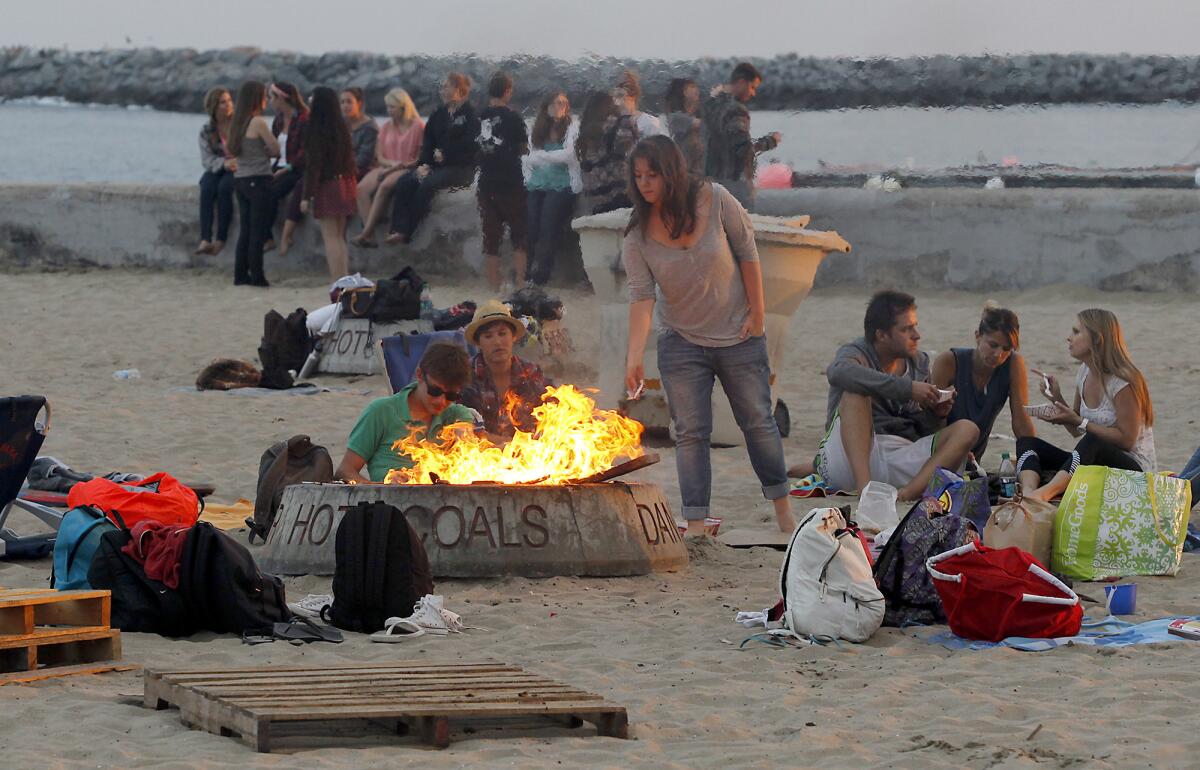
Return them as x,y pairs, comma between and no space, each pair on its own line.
303,630
397,630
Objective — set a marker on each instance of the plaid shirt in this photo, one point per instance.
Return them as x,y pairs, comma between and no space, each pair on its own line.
731,150
526,381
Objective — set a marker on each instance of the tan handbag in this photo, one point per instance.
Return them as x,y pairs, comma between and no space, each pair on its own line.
1025,523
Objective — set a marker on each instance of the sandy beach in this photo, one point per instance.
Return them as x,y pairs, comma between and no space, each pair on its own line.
665,646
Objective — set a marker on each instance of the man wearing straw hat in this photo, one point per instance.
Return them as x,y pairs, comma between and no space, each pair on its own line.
499,374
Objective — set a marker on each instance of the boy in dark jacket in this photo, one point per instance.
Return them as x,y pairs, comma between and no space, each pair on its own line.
502,141
447,158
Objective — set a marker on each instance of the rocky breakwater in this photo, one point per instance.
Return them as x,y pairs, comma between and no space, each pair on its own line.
176,79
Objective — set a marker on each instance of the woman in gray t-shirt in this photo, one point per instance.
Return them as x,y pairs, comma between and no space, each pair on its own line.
690,248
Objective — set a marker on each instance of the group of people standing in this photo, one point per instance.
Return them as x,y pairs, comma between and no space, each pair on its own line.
336,162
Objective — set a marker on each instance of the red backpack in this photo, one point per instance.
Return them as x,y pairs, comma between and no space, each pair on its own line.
158,498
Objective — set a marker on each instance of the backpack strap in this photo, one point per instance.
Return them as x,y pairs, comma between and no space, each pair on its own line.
377,550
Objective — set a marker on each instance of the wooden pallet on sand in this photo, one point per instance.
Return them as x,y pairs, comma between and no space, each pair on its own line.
248,702
46,633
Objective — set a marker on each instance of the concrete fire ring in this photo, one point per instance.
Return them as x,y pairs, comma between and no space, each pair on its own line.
599,530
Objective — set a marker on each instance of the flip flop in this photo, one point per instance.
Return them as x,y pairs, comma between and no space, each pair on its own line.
303,630
397,630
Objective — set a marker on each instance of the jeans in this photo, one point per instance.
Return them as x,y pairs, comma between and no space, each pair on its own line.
549,216
413,197
288,185
1191,472
216,188
256,214
688,371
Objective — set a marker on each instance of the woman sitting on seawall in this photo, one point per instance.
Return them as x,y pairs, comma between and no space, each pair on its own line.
553,180
330,177
395,154
291,117
606,137
364,131
987,376
689,247
216,183
1112,411
252,146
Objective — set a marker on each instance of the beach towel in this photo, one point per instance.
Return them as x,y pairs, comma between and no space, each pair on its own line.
1107,632
813,485
1114,523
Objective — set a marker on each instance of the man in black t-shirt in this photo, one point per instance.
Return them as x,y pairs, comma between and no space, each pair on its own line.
447,159
502,141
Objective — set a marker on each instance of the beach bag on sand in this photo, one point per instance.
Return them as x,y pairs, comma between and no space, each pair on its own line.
991,594
283,464
1113,523
967,498
76,545
138,603
222,586
397,298
160,497
285,346
826,581
926,530
380,568
1024,523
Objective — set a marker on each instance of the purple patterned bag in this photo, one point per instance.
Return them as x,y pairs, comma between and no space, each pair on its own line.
908,591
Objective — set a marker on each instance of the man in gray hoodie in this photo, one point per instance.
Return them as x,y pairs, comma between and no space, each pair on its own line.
884,419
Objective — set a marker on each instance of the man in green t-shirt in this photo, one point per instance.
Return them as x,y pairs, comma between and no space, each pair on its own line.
427,404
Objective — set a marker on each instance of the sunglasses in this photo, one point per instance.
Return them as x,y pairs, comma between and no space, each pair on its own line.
436,392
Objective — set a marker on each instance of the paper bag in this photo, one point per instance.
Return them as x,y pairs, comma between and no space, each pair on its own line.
1026,524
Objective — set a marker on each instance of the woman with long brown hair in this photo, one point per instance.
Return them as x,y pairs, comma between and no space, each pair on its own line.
553,181
252,146
216,183
291,118
691,243
1111,415
330,177
606,136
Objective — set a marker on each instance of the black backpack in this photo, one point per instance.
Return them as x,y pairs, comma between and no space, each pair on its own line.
222,587
285,345
373,577
397,298
138,603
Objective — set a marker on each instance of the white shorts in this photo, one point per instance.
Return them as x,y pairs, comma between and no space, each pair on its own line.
893,459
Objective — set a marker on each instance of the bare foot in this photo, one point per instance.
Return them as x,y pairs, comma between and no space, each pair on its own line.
394,238
284,245
800,470
204,248
363,241
216,247
269,245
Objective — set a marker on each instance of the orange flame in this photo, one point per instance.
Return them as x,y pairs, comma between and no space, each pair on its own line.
573,439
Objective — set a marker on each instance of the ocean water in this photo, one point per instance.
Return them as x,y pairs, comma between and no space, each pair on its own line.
46,141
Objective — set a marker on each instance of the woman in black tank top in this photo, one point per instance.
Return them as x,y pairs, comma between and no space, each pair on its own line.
987,376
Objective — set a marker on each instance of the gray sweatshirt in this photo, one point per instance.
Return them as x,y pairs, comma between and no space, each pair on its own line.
856,369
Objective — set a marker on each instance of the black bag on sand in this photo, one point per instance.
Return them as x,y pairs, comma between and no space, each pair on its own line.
397,298
285,346
284,463
380,568
138,603
222,587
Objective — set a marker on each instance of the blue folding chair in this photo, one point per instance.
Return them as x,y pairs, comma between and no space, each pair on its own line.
21,437
402,352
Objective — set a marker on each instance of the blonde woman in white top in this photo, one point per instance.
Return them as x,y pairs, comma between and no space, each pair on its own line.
1111,415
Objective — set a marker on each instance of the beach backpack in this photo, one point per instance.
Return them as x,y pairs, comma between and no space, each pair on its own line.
826,581
397,298
925,531
375,574
138,603
283,464
75,547
285,346
160,498
222,586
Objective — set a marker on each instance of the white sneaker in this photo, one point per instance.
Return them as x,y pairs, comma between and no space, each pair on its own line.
427,613
311,605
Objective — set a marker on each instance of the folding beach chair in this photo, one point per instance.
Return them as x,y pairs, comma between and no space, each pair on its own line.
402,352
21,436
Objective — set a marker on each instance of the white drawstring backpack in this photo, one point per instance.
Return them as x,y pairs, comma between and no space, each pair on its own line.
826,582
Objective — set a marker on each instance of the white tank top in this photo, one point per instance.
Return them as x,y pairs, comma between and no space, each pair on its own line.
1105,413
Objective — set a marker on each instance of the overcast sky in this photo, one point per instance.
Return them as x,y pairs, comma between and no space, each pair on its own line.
638,28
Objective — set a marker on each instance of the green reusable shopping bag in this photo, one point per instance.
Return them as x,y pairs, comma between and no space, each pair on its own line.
1113,523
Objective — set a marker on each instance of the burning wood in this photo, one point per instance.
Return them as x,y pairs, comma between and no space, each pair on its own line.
572,440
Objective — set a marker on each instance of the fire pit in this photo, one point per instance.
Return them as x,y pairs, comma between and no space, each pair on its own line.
536,506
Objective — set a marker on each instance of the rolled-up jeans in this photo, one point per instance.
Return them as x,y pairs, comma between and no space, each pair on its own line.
688,371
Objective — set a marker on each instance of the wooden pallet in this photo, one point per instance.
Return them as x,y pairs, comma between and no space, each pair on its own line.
248,702
47,632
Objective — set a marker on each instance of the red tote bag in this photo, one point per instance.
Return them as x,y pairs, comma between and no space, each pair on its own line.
994,593
157,498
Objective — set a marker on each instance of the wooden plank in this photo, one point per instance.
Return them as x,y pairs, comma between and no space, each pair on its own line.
620,469
261,702
24,677
49,637
16,621
415,666
304,714
393,680
11,597
349,689
82,611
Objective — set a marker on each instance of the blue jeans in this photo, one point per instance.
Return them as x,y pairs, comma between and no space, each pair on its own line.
688,371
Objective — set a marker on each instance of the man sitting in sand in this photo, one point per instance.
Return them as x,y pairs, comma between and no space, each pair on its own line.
427,404
884,420
499,375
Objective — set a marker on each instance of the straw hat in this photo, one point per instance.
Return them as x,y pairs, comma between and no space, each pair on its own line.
493,310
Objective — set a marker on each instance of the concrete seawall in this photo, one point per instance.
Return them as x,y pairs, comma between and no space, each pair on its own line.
967,239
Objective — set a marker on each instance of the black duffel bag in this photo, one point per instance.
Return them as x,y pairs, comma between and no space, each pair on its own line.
397,298
138,602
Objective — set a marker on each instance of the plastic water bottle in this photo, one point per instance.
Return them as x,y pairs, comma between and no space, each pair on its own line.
127,374
1008,477
426,303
